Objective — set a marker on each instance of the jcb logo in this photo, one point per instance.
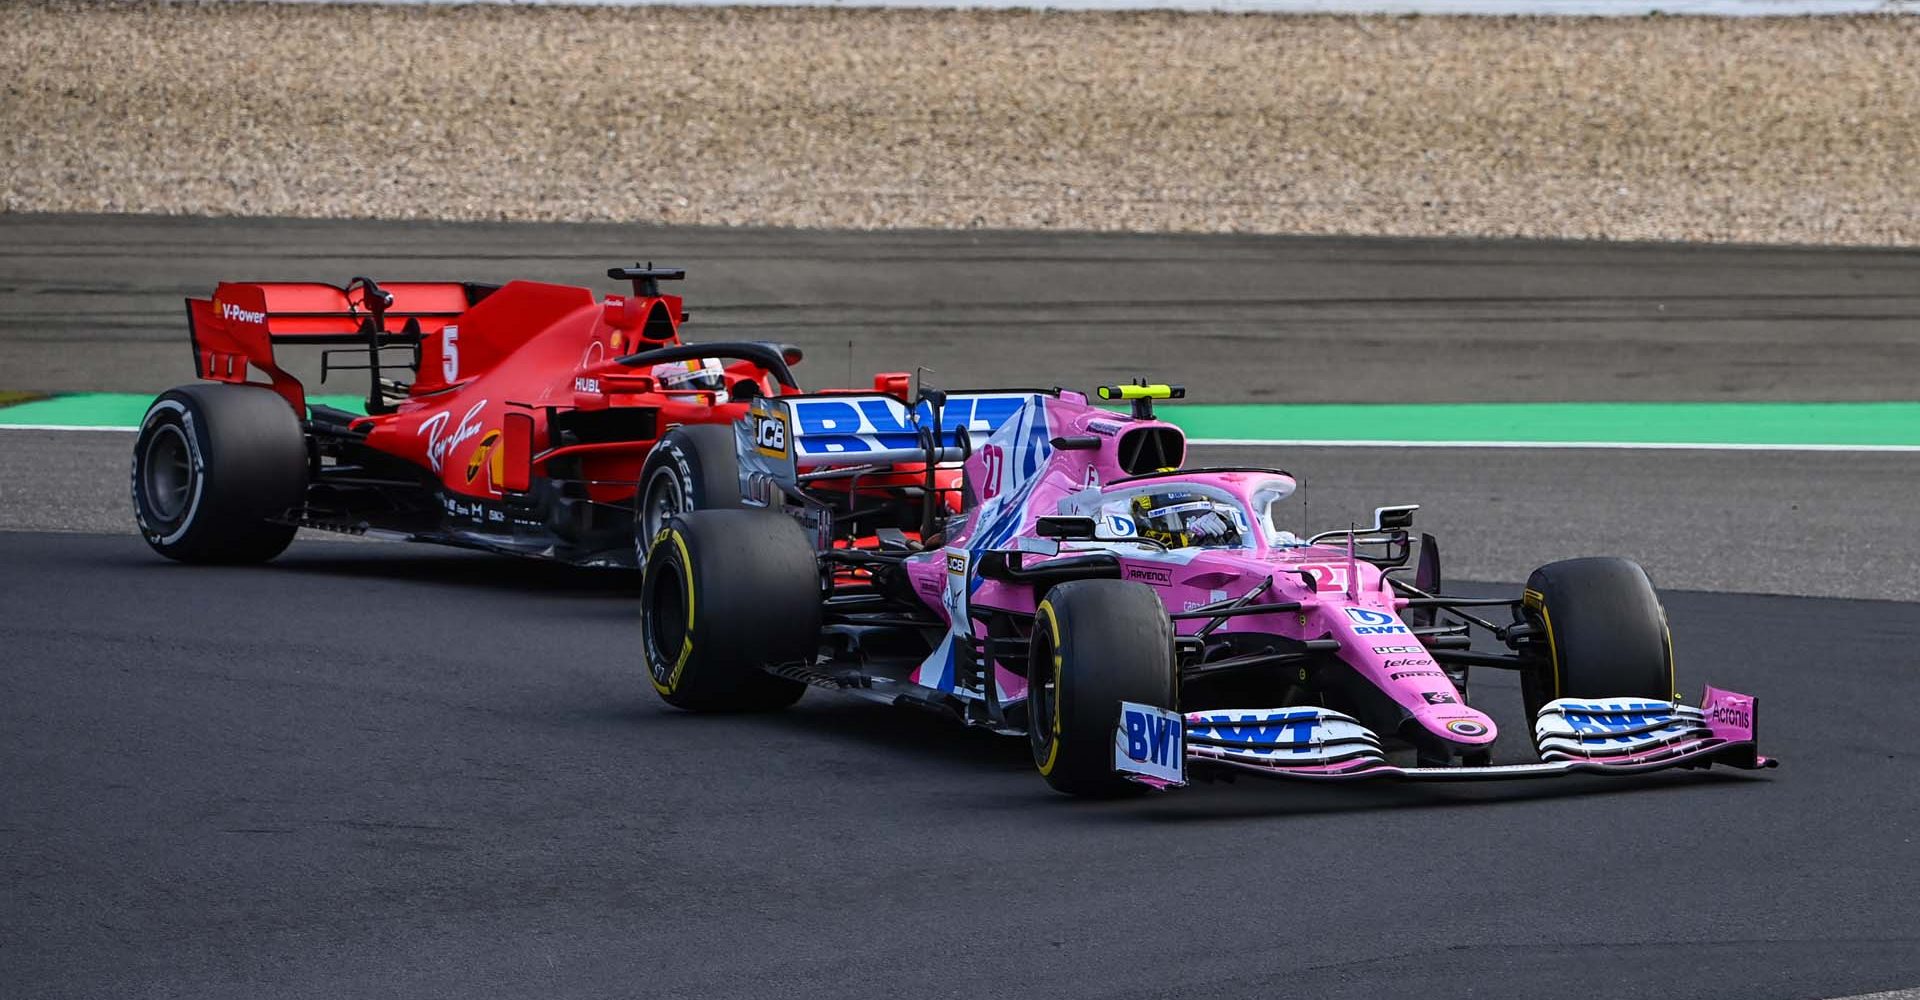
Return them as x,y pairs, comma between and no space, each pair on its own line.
770,435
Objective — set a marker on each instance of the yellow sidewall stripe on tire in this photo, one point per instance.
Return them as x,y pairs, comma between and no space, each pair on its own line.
1553,649
1673,670
1538,601
686,645
1053,745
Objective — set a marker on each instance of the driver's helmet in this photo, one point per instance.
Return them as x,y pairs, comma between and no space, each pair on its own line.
1180,519
684,376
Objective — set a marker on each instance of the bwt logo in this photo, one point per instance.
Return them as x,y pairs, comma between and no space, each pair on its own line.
1152,739
835,426
1374,623
1619,722
1295,730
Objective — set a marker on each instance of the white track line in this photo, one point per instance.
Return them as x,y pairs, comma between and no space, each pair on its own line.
1363,443
64,427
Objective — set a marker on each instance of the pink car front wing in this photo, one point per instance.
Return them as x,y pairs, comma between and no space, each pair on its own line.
1572,735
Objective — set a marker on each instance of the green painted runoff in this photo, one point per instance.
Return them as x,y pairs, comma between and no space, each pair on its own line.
1834,424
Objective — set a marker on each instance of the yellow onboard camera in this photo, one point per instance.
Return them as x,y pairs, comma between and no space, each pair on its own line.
1141,395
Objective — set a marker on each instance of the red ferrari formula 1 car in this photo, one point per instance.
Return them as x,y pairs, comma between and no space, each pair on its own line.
525,418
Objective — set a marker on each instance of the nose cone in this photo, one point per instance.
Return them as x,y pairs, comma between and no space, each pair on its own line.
1385,650
1458,724
1429,696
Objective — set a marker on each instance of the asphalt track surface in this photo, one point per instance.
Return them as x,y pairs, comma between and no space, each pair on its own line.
373,770
384,770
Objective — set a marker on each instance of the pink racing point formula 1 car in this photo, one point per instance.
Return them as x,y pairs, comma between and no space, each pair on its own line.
1140,622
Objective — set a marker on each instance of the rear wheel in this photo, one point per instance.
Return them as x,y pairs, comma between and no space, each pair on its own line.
692,467
1602,634
211,466
1096,643
726,593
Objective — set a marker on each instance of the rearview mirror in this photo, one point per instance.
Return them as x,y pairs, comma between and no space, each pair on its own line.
1398,517
1064,526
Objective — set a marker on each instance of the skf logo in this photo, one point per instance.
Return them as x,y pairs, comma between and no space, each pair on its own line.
1374,623
235,314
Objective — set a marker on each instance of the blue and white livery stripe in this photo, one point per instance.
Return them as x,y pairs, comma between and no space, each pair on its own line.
1025,441
880,428
1028,445
1308,733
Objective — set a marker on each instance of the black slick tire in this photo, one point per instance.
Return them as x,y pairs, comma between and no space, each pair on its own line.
692,467
1602,633
727,592
1096,643
212,465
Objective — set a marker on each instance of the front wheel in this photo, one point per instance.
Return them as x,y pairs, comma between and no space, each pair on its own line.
692,467
727,592
214,466
1096,643
1602,634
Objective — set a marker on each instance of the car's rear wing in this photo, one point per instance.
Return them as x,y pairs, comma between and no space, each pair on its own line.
843,428
785,442
241,323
